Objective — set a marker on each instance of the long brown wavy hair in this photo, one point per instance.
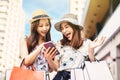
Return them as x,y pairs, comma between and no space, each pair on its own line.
32,40
76,41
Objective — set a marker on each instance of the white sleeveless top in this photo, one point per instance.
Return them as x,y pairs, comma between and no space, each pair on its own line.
70,57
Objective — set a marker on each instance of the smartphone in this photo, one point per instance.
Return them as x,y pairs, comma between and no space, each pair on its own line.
50,44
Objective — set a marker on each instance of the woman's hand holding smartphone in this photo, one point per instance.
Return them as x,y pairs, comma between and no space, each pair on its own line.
51,45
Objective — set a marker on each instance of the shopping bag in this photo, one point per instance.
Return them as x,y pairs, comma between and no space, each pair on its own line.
19,73
97,71
22,73
7,74
77,74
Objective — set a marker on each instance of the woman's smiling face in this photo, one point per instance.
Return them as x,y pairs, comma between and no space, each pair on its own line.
43,27
66,30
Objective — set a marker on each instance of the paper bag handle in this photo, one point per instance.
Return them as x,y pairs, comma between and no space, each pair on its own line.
23,66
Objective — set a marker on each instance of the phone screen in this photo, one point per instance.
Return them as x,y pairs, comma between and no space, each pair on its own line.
50,44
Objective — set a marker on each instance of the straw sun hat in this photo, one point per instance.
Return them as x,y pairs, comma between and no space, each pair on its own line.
39,14
68,18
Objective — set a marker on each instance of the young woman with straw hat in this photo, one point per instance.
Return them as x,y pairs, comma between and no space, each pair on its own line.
73,49
32,49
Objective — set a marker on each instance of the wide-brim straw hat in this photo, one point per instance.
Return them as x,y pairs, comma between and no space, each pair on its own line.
39,14
72,18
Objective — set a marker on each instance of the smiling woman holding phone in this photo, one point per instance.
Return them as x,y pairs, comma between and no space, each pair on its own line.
32,48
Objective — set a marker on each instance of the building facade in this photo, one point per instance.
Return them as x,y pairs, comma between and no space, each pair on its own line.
101,18
12,26
110,50
79,7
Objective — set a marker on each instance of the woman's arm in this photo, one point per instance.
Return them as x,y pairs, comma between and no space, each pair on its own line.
28,58
50,54
91,53
57,62
93,45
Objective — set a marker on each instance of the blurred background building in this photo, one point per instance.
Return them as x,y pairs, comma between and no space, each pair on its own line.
12,20
101,18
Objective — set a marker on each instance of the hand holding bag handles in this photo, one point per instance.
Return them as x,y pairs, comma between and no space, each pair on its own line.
20,73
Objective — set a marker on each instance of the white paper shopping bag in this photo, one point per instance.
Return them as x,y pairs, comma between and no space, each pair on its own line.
97,71
77,74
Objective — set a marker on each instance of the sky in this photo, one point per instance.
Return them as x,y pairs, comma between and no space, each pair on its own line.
55,9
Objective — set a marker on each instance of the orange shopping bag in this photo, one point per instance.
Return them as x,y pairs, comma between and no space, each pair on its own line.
22,73
19,73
